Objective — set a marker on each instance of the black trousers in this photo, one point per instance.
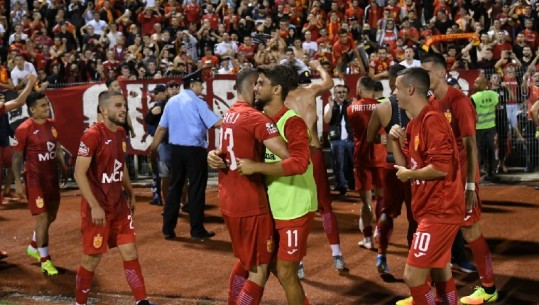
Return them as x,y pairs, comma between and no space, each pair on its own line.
187,162
486,148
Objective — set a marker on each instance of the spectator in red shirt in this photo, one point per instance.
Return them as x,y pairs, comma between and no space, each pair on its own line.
409,35
211,16
192,12
313,25
354,10
247,48
344,50
379,66
147,19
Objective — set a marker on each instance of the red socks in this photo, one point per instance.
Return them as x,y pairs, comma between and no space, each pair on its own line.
238,276
422,295
331,228
446,292
483,260
384,232
133,274
83,282
251,294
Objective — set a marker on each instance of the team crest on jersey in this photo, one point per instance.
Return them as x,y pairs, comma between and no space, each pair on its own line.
124,146
83,149
39,202
98,241
448,116
416,142
54,132
270,127
269,245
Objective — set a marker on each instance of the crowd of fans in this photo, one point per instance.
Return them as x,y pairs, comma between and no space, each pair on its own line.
85,41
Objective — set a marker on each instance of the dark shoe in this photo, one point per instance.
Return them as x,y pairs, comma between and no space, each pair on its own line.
185,208
208,234
156,201
169,236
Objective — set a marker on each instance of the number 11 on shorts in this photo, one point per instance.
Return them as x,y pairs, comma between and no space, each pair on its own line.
292,238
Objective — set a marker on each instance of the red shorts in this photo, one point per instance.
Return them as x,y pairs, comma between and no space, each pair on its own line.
368,178
431,246
253,240
292,237
475,216
395,193
42,197
6,155
321,179
117,231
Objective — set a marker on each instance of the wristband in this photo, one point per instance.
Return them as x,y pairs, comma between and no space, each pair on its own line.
470,186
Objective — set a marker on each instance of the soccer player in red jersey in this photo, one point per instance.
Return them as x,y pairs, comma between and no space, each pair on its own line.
461,114
6,107
368,175
36,144
395,191
244,133
427,156
303,100
107,218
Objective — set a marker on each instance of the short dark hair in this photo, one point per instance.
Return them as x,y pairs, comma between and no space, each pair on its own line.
395,69
417,77
243,74
107,94
280,75
367,83
33,98
110,81
436,59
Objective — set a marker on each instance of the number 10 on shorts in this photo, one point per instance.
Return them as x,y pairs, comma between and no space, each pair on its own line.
421,243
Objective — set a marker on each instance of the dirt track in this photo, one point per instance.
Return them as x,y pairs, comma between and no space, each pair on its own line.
188,272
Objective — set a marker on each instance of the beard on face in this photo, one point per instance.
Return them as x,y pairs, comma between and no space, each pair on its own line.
259,104
117,120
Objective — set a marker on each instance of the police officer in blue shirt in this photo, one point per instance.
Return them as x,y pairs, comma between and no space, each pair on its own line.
187,119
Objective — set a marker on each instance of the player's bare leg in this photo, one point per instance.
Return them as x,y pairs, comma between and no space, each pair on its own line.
287,274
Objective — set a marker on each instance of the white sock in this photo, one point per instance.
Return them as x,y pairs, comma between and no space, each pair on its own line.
43,252
336,250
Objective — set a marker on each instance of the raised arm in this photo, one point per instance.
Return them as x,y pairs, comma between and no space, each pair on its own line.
327,80
21,99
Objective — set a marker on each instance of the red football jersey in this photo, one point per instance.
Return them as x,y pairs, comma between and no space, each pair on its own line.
462,116
359,113
107,150
38,143
429,141
243,132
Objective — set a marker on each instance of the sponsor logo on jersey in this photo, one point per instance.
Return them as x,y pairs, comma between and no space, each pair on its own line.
83,149
419,254
270,127
116,175
108,141
50,154
39,202
270,156
98,241
290,252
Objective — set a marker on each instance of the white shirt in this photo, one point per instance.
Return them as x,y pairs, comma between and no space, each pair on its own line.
18,76
12,37
415,64
310,47
224,48
97,25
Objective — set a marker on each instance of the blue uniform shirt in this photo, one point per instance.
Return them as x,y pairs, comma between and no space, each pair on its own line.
188,119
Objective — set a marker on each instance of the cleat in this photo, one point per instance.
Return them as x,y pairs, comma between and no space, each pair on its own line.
301,272
480,296
339,264
33,253
48,268
466,267
144,302
407,301
366,243
381,264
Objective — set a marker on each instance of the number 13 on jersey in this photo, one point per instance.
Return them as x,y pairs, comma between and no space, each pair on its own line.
227,136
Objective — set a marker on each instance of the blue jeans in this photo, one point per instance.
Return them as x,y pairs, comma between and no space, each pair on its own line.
343,163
